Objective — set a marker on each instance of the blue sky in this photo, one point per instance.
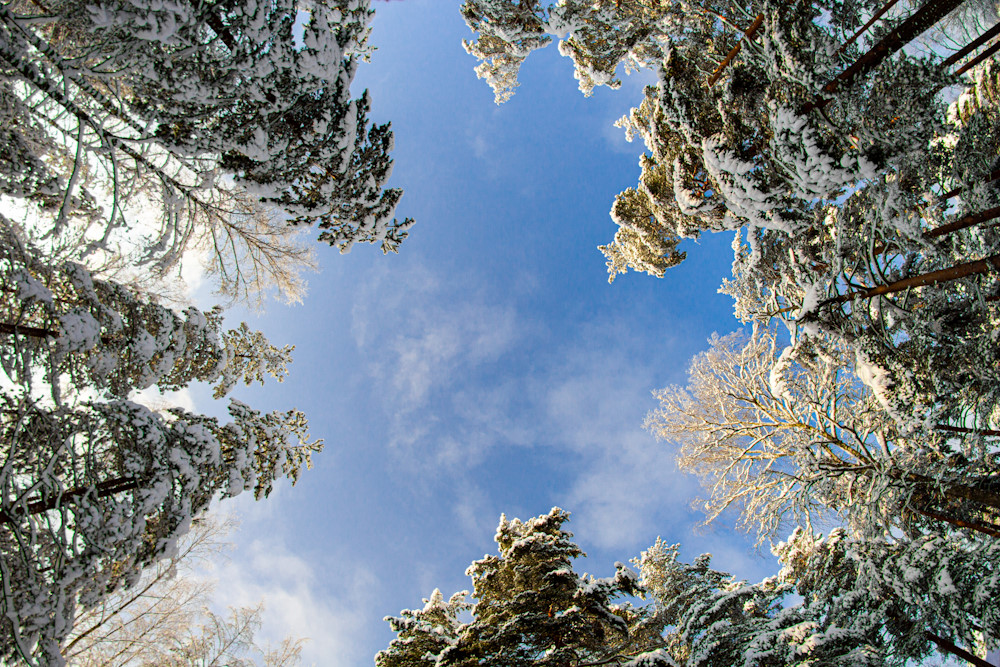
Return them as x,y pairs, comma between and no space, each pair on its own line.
487,368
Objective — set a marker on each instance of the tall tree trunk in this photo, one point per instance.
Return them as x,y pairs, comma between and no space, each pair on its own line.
964,222
979,495
991,263
960,523
215,23
736,50
978,59
889,5
930,13
950,647
104,489
9,329
973,45
992,176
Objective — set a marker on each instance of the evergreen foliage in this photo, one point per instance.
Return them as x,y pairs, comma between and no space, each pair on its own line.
530,608
860,602
858,174
214,117
96,487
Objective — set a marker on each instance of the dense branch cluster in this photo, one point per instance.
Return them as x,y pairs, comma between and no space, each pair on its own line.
855,160
148,129
137,135
836,601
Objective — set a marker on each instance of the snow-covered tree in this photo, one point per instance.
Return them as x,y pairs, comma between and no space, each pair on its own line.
164,619
423,635
785,433
861,602
530,608
95,487
508,31
208,116
97,335
926,592
712,620
93,494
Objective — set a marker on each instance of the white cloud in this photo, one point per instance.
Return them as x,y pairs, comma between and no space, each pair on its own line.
429,369
327,602
154,399
469,384
626,479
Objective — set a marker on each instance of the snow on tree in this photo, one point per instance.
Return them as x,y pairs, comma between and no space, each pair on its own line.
164,619
530,608
931,590
93,494
423,635
95,487
102,336
862,602
602,38
788,433
737,153
211,118
508,32
712,619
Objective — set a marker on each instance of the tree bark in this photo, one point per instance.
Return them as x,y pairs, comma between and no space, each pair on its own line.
736,50
992,176
954,491
889,5
930,13
960,523
950,647
978,59
9,329
104,489
973,45
991,263
215,23
963,223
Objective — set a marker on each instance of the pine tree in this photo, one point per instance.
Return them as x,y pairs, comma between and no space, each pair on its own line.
713,620
531,608
99,335
926,592
95,487
95,493
423,635
211,115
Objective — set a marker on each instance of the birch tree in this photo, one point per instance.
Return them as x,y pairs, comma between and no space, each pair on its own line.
164,619
786,435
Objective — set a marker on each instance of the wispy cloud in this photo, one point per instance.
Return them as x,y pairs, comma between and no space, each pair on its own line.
624,479
326,602
430,370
